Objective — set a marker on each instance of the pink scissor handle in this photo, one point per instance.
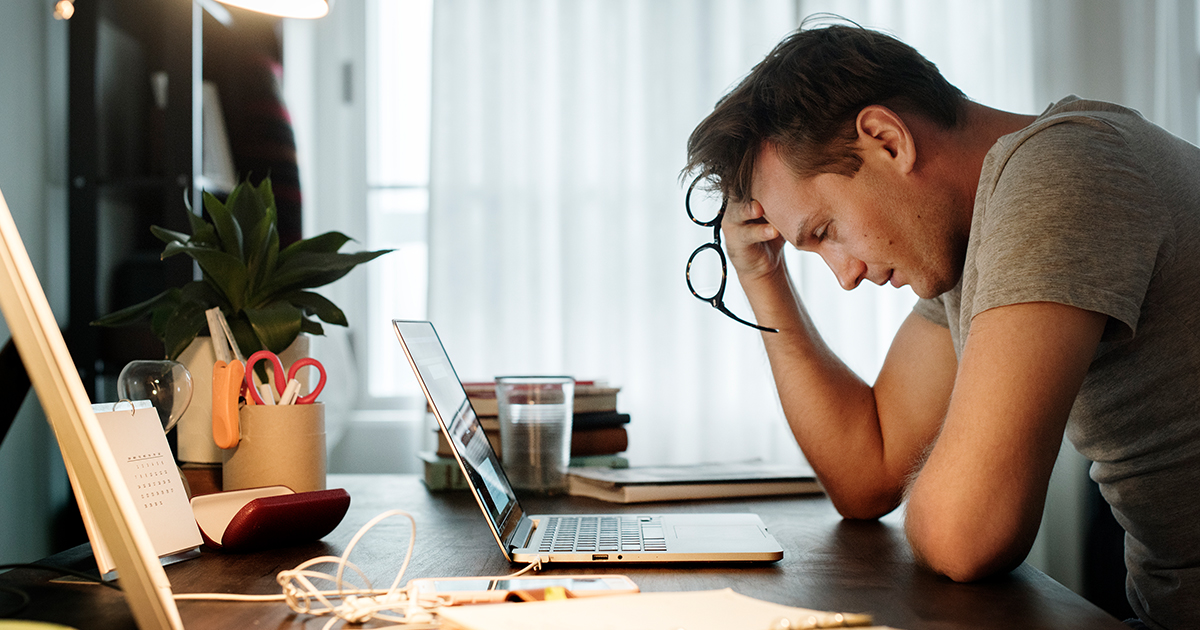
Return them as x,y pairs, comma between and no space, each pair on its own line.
310,397
280,381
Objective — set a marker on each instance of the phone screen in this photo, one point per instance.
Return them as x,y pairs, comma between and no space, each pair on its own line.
576,584
571,584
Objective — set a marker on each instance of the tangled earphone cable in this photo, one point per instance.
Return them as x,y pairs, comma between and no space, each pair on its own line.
349,603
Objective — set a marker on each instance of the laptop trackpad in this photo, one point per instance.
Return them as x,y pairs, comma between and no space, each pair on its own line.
722,532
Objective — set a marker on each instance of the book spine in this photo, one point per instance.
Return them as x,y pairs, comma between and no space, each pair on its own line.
603,441
600,461
442,473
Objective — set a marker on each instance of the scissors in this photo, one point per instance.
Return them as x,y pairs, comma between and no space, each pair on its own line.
280,380
227,383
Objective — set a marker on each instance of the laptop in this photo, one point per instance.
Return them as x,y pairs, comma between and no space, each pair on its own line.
84,447
567,538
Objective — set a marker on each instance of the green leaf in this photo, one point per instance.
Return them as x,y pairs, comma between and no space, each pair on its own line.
250,210
311,327
276,325
327,243
138,312
203,233
244,335
319,305
261,260
226,272
266,195
201,292
169,236
161,317
309,270
183,326
228,230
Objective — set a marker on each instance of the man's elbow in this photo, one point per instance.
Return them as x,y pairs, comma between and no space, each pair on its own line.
864,505
963,555
965,567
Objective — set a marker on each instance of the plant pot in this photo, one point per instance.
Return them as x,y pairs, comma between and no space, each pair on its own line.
195,437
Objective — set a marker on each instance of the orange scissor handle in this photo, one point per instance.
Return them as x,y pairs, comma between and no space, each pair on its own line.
226,386
310,397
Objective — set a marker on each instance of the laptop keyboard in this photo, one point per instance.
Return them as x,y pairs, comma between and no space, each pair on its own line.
602,533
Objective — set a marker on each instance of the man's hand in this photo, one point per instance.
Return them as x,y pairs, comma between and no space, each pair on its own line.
755,247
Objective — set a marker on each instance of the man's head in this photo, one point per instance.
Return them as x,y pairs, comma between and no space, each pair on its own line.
823,135
804,98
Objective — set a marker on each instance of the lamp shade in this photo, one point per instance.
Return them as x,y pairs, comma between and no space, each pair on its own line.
284,8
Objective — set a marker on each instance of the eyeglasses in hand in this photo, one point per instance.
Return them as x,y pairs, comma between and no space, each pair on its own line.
706,265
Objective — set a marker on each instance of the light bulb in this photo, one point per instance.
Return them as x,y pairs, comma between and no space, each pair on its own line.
64,9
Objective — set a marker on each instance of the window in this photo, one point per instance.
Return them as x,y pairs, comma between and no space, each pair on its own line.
399,37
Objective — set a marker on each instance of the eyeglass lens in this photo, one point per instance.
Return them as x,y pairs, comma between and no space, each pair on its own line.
705,274
704,206
706,267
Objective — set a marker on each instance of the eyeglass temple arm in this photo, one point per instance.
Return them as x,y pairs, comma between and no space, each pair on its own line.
720,306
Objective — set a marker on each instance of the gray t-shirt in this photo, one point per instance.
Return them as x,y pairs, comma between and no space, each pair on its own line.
1094,207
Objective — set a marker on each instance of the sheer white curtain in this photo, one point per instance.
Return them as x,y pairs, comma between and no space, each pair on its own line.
557,232
1142,54
558,238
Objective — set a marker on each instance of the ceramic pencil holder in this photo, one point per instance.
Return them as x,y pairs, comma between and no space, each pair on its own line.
279,445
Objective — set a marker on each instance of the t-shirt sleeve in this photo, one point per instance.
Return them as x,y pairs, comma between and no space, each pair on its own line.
1075,219
933,309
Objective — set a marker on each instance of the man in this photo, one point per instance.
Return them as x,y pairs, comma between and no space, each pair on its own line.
1057,258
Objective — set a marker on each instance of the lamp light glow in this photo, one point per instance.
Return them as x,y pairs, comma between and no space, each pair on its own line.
64,9
306,9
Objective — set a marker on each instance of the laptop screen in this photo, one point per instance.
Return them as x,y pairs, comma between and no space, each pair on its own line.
449,401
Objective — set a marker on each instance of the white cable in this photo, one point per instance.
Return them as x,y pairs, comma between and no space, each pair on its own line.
357,605
349,603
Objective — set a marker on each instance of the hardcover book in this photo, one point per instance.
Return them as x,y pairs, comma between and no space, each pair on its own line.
638,484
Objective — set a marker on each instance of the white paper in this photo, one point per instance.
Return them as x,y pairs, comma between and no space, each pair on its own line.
140,447
695,610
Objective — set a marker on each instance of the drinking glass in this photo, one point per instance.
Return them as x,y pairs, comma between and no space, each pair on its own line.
535,430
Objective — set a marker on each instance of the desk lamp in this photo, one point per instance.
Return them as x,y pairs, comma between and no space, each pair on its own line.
64,9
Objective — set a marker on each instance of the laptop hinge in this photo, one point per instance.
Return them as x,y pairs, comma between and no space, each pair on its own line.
524,532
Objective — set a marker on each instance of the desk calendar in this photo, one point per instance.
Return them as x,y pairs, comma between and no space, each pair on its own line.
137,441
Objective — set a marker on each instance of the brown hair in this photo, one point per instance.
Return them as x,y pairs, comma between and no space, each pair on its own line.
805,96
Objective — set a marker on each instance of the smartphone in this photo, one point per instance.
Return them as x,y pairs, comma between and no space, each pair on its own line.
473,590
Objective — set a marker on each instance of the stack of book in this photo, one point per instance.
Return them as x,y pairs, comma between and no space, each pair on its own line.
598,432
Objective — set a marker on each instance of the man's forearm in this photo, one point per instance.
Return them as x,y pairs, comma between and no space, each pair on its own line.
831,411
974,509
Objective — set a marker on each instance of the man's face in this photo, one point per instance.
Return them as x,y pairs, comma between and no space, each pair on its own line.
877,226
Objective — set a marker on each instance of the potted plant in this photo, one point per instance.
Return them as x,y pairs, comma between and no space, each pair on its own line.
262,290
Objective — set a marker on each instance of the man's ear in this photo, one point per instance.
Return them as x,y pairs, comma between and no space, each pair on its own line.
882,131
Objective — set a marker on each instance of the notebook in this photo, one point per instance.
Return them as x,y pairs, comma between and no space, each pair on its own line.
573,538
80,437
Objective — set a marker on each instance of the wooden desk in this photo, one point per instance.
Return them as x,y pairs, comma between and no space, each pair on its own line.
828,564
